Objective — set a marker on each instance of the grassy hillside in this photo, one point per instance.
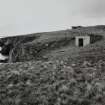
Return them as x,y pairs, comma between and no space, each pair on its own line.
64,74
35,46
80,81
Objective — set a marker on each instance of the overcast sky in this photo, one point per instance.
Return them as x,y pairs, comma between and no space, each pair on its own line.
30,16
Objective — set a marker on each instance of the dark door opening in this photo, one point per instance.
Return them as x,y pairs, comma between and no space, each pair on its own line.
80,42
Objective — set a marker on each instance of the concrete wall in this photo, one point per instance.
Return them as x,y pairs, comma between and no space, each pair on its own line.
86,40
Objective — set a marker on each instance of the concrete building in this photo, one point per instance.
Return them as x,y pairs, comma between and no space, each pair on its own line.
82,41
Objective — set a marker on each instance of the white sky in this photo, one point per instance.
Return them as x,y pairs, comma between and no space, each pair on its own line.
30,16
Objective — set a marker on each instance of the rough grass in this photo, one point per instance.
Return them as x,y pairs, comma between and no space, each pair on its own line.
75,80
58,82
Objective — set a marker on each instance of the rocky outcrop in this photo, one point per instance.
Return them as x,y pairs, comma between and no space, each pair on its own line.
34,51
9,43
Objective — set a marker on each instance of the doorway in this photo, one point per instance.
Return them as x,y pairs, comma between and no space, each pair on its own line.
80,42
